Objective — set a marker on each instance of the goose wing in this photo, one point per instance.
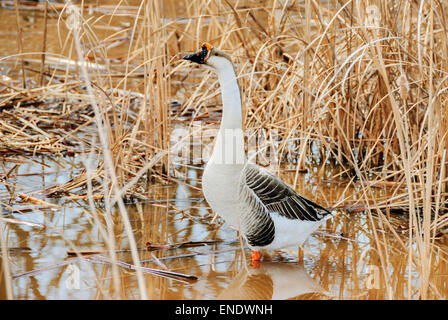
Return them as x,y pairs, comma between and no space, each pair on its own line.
262,193
276,196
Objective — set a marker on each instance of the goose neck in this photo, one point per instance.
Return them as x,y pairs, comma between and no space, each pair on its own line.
231,99
229,144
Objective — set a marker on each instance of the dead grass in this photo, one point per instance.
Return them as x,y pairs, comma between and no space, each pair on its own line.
358,84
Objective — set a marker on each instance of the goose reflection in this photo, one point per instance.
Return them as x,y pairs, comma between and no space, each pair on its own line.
271,281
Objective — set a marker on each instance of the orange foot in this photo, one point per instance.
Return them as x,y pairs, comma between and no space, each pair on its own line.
255,259
256,255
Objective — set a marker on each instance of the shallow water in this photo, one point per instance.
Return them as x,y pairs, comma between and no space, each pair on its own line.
345,262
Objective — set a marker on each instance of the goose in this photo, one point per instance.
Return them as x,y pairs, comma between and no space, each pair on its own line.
268,212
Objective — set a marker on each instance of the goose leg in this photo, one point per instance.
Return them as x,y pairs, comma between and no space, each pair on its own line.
256,255
255,259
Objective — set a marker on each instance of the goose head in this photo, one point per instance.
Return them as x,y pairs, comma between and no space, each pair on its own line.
211,57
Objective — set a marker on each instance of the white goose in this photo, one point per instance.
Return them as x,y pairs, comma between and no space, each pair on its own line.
268,212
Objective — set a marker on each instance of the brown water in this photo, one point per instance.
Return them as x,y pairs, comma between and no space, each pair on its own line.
163,221
343,264
328,268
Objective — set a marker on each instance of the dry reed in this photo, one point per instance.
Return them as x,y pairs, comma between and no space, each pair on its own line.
360,85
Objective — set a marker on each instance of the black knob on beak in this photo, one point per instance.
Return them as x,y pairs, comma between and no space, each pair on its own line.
200,56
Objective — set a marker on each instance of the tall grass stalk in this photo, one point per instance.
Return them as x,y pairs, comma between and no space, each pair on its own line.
20,41
76,27
5,262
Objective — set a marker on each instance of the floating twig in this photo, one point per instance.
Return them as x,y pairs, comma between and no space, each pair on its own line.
194,254
164,273
51,267
187,244
25,197
27,223
92,252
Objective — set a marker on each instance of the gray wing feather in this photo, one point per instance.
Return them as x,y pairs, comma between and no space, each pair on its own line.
274,195
256,223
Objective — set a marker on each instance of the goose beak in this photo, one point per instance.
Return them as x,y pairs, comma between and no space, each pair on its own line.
200,56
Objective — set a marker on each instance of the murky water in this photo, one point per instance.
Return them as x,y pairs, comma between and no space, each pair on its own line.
342,262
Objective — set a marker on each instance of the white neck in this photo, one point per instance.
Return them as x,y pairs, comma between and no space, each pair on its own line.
231,100
229,143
